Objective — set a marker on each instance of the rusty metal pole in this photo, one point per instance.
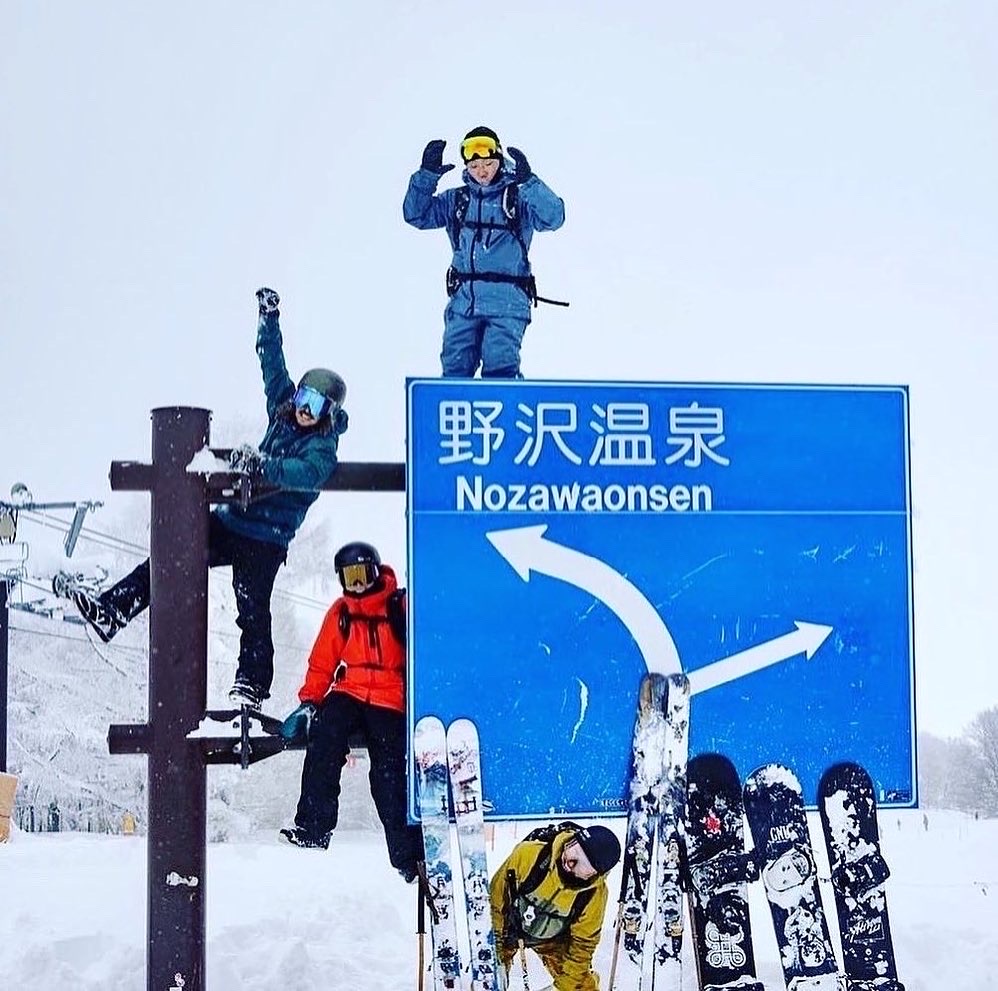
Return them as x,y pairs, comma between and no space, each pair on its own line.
178,634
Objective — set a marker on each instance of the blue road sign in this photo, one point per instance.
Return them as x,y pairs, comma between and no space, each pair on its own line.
565,537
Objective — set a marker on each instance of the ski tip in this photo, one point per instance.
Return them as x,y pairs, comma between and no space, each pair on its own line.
428,724
462,726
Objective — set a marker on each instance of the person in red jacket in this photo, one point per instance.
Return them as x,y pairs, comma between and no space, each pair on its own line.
355,684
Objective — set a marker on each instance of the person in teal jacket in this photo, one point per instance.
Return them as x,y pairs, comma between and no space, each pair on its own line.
297,453
490,221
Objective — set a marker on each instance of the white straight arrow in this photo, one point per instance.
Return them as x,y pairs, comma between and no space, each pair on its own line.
526,550
806,639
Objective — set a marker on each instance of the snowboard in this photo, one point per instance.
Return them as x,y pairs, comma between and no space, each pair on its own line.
430,754
848,808
775,812
719,869
464,761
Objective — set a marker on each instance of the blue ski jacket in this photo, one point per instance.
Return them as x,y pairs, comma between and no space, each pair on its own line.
299,459
486,240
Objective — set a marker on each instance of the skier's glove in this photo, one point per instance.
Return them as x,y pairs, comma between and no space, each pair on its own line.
246,459
268,300
433,158
296,726
523,172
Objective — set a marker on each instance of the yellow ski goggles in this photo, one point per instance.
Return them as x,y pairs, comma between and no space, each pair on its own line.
479,147
353,574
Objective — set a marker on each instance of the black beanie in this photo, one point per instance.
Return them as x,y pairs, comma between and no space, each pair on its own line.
601,846
484,132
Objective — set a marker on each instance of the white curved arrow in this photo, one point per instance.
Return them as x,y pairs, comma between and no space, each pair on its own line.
806,639
526,550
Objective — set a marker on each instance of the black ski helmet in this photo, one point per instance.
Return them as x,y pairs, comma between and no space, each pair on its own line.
328,383
357,555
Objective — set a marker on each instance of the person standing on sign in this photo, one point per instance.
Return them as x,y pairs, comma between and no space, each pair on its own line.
298,453
490,221
355,684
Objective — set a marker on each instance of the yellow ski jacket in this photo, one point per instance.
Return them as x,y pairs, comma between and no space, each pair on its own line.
565,944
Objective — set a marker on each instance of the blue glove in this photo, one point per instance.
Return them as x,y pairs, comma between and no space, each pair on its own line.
433,158
523,172
268,301
296,726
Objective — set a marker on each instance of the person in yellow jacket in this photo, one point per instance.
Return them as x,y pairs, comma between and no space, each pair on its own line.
551,893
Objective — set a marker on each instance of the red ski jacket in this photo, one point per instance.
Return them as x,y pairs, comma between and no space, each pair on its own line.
356,651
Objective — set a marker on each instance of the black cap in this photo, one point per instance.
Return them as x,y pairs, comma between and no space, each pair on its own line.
601,847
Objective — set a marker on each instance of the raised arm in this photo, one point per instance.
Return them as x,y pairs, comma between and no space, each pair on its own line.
277,383
544,210
423,207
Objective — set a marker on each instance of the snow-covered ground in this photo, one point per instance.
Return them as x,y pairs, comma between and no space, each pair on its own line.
74,911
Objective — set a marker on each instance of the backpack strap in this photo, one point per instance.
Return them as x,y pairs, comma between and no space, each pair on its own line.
394,617
395,607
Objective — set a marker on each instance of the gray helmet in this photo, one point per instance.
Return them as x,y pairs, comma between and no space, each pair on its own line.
328,383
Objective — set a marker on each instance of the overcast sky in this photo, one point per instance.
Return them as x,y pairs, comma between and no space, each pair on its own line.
776,192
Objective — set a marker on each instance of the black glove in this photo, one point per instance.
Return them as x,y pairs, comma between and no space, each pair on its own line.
523,172
433,158
296,726
247,459
268,300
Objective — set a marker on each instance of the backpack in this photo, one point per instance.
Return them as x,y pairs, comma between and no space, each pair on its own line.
394,617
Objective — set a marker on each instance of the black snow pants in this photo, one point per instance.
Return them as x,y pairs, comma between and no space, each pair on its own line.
254,568
338,718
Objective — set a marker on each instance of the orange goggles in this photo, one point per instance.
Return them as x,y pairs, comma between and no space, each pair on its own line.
480,147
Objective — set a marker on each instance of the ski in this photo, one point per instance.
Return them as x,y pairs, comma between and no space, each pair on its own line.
464,761
644,806
430,754
775,811
719,869
671,841
848,808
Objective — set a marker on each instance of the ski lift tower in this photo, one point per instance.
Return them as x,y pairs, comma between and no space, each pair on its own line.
13,570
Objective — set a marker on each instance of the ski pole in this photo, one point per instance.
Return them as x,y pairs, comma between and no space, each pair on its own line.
512,923
420,933
523,963
619,928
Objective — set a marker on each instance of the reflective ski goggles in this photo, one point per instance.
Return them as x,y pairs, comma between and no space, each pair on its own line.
312,401
362,574
481,147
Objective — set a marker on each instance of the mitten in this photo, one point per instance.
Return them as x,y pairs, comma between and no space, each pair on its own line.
268,300
523,172
296,726
433,158
247,459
